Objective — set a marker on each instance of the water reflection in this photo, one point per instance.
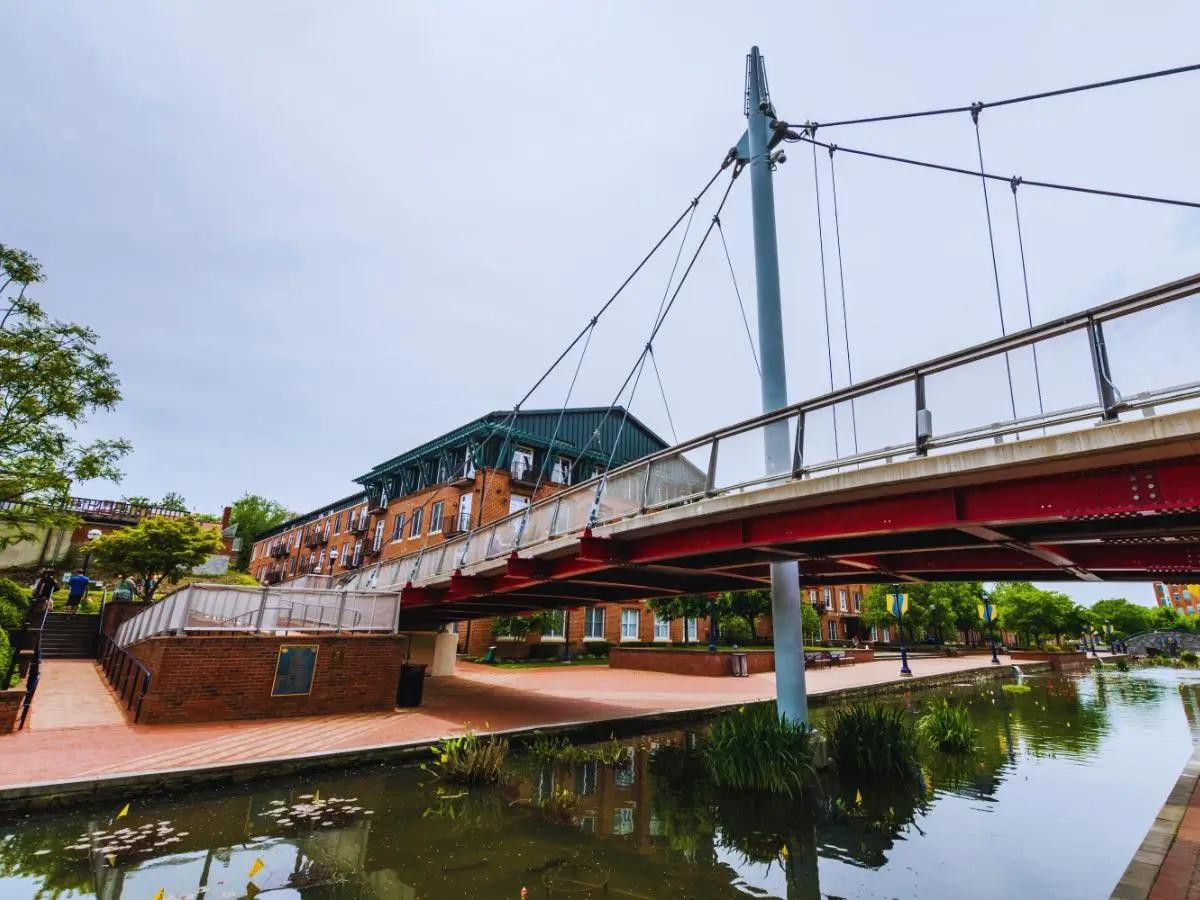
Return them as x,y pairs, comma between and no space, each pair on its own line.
653,827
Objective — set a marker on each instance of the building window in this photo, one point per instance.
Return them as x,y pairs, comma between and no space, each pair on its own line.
414,527
435,517
585,779
662,629
593,623
828,595
629,624
378,542
468,466
554,625
833,629
522,463
622,817
842,600
357,552
337,524
887,634
857,602
344,556
691,630
874,632
321,561
561,472
464,512
398,527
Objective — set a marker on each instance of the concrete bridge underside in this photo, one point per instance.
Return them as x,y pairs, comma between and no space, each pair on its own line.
1115,502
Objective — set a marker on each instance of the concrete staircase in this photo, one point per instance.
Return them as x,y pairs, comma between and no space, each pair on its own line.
70,637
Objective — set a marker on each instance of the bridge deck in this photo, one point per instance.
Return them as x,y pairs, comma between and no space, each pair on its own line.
1118,501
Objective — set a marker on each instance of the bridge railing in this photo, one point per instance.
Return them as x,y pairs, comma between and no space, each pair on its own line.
222,607
697,469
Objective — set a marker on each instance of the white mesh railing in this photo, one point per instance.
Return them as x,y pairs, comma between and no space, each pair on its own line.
218,607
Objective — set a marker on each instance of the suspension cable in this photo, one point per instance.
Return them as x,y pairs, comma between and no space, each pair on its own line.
1042,95
737,292
837,231
1037,375
825,293
662,390
795,137
987,209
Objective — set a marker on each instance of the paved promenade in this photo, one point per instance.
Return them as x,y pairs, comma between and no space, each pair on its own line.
77,731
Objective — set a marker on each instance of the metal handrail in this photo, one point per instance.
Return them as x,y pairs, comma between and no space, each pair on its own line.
405,569
126,673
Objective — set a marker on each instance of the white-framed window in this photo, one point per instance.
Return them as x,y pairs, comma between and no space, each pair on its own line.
857,601
622,818
874,632
593,623
691,630
560,473
357,551
378,542
887,634
554,626
626,775
398,527
325,535
629,624
454,628
662,629
842,601
337,524
827,596
414,525
522,463
585,779
516,503
833,629
321,560
435,517
464,512
468,466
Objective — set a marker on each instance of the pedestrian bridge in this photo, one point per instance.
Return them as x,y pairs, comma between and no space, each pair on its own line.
1076,493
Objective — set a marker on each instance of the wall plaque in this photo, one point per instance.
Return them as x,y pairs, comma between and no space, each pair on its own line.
294,670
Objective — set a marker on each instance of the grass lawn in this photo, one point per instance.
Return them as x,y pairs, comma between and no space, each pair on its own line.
547,663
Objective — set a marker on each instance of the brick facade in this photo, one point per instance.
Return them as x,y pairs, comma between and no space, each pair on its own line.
1183,598
211,679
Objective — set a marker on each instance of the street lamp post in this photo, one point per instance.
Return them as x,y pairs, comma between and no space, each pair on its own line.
1108,634
566,636
899,602
987,613
712,624
92,535
1094,653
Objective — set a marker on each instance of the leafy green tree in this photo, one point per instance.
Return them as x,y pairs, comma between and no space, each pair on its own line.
52,378
1033,612
877,609
682,606
1164,617
810,621
253,515
156,550
529,623
1126,618
138,500
173,502
747,606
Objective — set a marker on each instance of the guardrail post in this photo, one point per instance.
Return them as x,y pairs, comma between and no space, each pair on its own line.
262,611
396,613
341,610
798,448
924,418
1105,388
710,479
646,486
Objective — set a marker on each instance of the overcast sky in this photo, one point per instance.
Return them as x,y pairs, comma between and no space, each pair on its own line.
313,235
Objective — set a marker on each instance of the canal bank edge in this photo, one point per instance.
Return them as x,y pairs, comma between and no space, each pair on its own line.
60,796
1148,862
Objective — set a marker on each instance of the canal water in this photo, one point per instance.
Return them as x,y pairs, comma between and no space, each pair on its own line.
1064,784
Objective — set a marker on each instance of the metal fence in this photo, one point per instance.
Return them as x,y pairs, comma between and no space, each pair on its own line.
225,608
698,468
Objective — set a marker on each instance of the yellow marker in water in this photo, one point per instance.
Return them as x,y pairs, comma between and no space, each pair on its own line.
123,813
316,796
162,893
258,866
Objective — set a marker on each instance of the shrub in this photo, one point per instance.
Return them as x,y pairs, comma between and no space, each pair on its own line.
753,749
1016,688
545,651
947,726
6,654
1189,657
550,749
10,616
15,595
1122,665
597,648
736,631
469,759
873,740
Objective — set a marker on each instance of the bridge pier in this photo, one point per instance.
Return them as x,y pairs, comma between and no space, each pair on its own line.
755,148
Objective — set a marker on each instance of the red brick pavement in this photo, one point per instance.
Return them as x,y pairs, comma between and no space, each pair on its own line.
76,729
1179,877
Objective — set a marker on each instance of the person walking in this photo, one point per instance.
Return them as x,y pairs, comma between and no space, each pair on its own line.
44,588
77,590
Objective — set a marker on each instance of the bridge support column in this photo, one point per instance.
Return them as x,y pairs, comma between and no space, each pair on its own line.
792,698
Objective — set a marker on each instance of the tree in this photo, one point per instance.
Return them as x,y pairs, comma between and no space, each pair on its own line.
810,621
173,502
1033,612
1126,618
156,550
746,606
138,500
52,378
877,608
253,515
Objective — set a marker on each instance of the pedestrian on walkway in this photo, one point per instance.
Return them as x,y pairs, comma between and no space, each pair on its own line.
44,588
124,589
78,588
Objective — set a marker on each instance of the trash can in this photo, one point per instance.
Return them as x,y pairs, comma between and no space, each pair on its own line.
412,685
740,665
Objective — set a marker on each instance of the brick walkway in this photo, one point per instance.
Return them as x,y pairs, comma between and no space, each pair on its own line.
1179,877
76,729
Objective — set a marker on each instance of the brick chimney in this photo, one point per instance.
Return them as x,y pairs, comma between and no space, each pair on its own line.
225,517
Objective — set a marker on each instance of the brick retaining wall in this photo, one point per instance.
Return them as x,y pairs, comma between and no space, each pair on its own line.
214,679
10,706
1056,660
701,662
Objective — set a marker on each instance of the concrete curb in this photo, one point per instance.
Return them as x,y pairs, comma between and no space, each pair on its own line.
1147,862
63,795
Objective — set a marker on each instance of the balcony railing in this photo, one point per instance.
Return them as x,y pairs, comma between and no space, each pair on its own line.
357,526
280,550
524,472
316,539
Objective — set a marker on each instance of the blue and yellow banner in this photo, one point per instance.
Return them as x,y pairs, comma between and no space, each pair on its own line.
899,604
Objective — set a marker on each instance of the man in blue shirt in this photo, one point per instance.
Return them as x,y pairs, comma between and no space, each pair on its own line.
78,587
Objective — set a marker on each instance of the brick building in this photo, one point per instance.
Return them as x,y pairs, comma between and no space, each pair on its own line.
1183,598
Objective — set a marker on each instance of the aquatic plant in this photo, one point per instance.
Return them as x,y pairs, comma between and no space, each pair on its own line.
1015,688
1122,665
551,749
1189,657
873,740
560,805
947,726
469,759
753,749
